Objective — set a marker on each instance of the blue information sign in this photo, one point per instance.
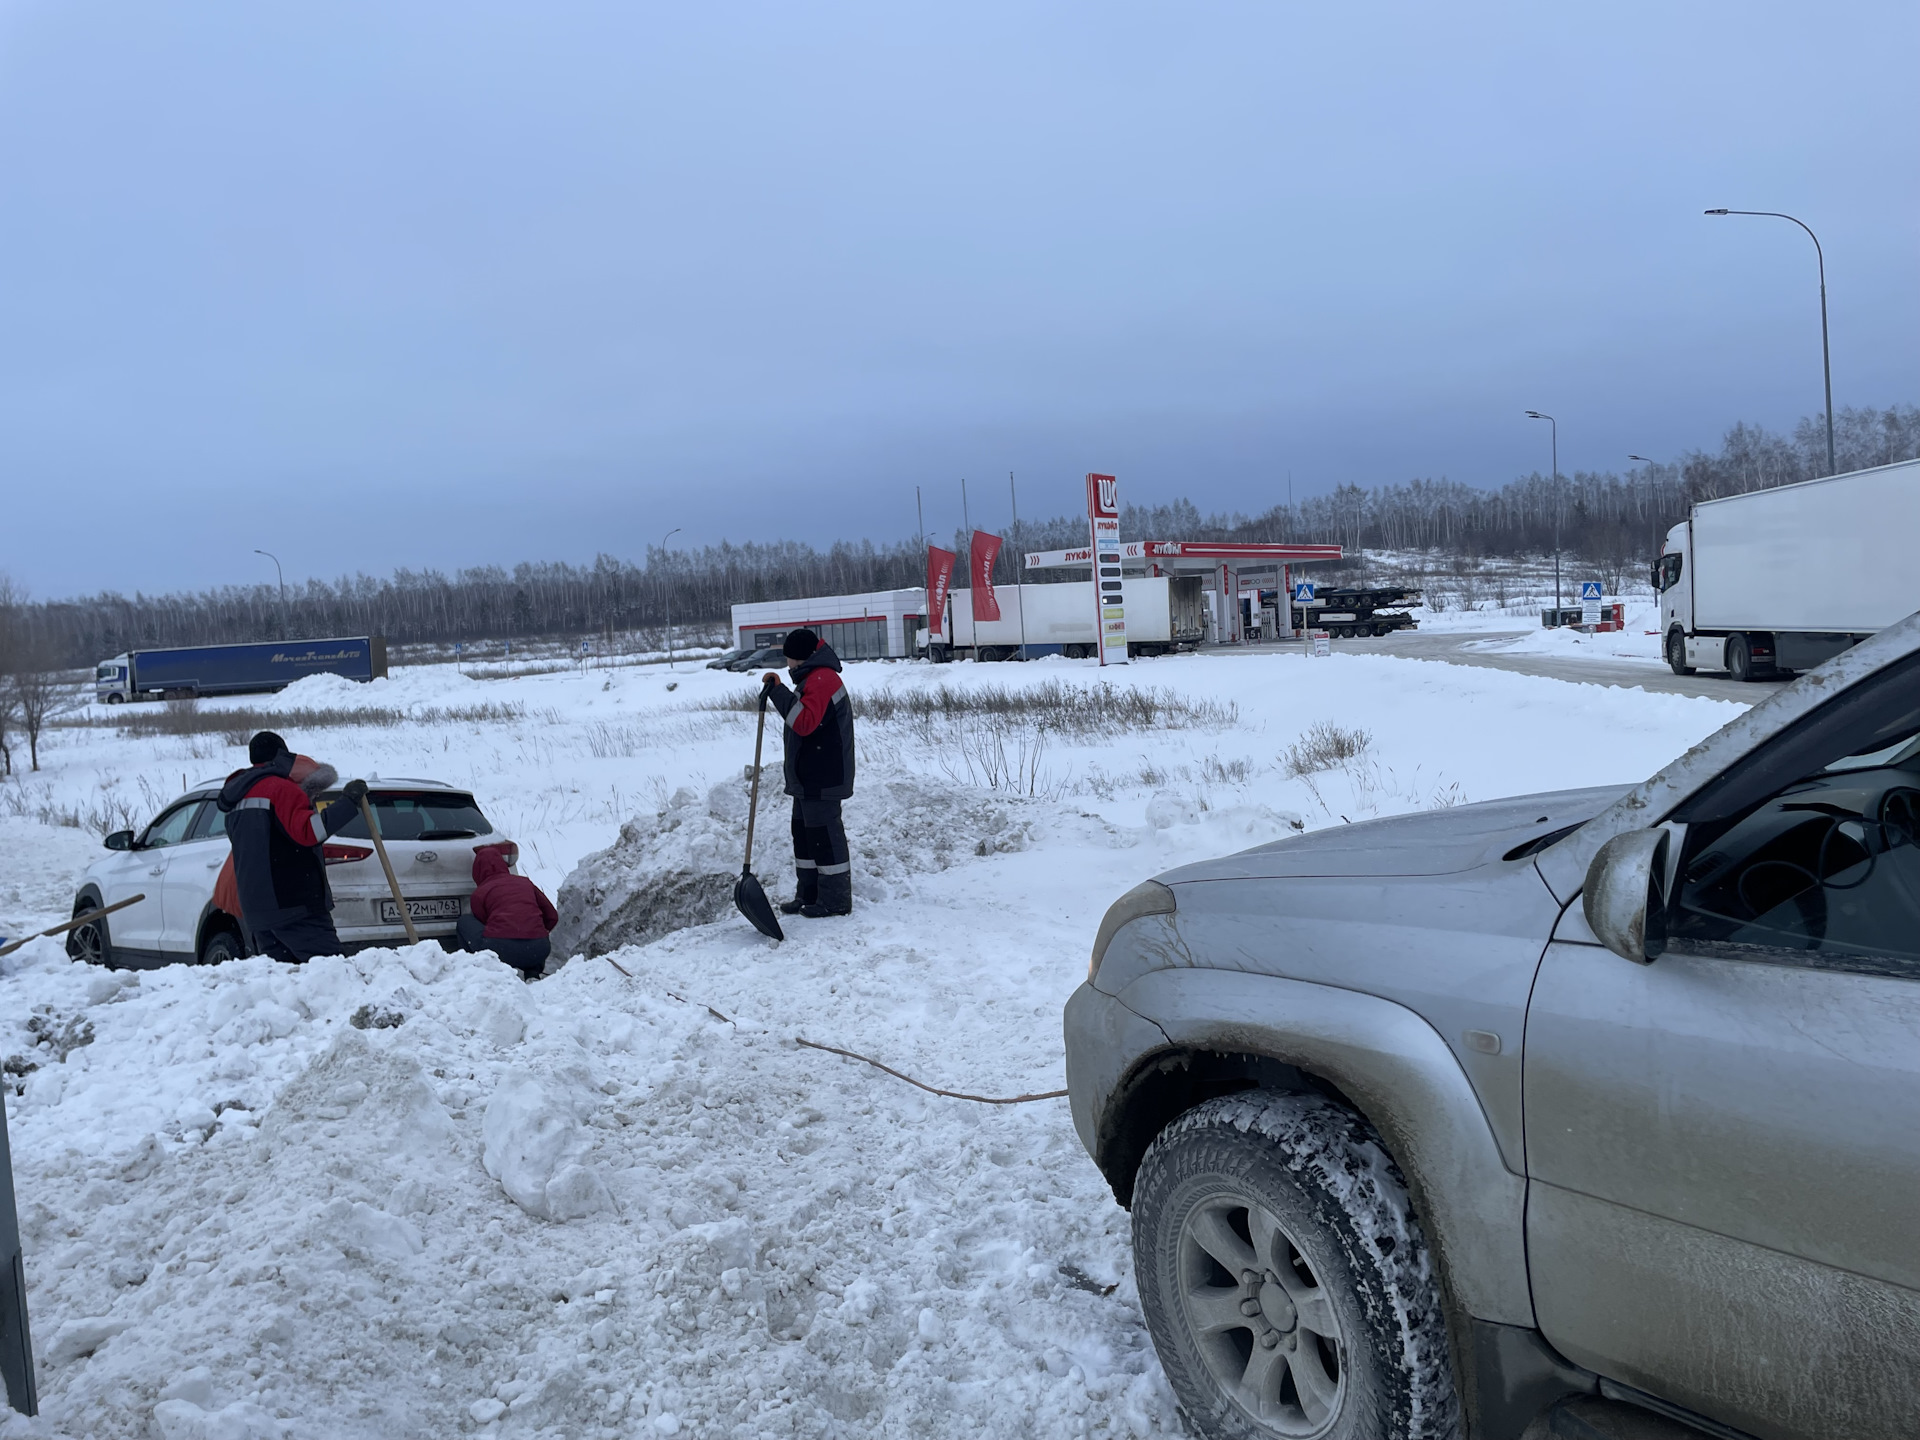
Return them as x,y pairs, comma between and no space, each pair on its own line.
1302,592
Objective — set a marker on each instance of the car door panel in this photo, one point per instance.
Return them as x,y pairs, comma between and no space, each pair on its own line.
140,928
1723,1145
192,868
1724,1202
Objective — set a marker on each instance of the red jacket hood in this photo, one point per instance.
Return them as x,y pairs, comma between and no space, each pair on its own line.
488,864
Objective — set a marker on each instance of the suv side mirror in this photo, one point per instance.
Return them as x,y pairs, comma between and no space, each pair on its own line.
1625,895
119,840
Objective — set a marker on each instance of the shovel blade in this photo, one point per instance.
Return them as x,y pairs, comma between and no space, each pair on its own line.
753,904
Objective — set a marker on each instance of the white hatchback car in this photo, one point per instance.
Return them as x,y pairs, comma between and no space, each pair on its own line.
431,830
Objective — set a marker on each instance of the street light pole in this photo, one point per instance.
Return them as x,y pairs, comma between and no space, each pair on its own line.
283,588
1826,354
663,555
1651,500
1536,415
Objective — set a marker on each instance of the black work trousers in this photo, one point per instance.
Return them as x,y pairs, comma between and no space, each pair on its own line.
529,957
819,845
298,938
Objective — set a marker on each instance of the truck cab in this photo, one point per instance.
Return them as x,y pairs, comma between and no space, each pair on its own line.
111,682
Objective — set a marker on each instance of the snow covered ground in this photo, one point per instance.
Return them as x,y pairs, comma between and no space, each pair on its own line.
403,1194
1512,635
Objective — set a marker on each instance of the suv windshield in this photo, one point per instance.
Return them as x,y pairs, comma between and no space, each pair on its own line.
416,815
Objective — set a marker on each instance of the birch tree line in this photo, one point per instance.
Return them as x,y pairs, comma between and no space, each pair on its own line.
1612,519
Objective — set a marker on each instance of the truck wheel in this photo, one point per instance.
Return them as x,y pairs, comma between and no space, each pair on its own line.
1739,659
1285,1279
1677,654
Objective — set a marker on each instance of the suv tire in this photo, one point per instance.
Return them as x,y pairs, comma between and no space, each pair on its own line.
1299,1197
90,944
221,946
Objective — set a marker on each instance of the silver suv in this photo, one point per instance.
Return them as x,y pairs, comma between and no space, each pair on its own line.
1546,1112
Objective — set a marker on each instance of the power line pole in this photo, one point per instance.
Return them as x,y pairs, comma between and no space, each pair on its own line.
1536,415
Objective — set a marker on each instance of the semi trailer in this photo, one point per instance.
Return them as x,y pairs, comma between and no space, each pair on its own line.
1780,580
195,670
1163,613
1350,612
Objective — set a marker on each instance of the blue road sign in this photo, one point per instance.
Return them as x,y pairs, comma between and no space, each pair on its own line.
1302,592
1589,590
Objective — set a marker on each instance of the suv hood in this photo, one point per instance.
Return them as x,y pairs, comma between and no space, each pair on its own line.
1430,842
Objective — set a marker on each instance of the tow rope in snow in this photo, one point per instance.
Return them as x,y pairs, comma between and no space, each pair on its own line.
930,1089
869,1060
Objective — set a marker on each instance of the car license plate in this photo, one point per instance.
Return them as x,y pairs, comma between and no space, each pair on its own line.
448,909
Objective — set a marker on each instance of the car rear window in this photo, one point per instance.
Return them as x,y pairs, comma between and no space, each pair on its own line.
416,815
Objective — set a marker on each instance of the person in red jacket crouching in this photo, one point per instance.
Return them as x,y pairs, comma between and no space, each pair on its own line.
510,916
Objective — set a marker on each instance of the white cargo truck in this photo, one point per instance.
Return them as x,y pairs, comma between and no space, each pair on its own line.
1779,580
1163,613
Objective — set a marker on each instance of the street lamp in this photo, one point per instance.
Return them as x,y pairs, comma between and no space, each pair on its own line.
1647,460
1826,355
1536,415
663,555
283,588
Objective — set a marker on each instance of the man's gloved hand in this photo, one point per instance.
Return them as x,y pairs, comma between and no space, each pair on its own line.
770,681
354,792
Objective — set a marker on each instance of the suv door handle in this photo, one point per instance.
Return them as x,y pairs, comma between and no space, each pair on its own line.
158,870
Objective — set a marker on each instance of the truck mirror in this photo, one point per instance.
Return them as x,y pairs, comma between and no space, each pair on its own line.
120,840
1624,896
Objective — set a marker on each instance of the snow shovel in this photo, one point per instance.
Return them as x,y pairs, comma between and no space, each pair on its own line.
747,893
380,849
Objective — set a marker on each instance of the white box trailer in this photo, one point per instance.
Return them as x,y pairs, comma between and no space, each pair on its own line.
1780,580
1163,612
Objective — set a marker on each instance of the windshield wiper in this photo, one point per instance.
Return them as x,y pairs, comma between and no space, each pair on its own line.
446,834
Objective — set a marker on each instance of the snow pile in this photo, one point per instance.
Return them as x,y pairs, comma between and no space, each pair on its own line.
677,868
447,1202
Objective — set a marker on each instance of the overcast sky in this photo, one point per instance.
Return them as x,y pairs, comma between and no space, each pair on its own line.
436,285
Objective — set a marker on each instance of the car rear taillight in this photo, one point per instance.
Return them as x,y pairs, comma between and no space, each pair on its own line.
507,850
344,854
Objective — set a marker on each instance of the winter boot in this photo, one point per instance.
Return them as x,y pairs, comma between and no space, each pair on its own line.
835,897
806,886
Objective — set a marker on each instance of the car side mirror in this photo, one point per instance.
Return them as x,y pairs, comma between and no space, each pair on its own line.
120,840
1625,895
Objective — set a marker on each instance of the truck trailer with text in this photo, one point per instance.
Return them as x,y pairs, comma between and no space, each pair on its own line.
195,670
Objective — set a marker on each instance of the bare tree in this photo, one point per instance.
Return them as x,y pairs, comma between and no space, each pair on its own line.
10,597
39,692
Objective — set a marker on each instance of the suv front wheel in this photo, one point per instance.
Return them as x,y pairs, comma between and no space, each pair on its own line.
1285,1278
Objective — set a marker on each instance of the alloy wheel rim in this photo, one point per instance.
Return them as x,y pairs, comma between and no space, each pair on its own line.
1262,1322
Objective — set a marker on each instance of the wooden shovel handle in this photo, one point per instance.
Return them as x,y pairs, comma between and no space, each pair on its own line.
753,800
380,849
75,923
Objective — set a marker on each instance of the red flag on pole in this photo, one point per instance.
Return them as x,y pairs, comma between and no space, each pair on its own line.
939,577
981,554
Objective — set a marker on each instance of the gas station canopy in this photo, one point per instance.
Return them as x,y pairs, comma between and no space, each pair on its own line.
1187,557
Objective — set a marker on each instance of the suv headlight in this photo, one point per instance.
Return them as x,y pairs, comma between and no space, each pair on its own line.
1148,898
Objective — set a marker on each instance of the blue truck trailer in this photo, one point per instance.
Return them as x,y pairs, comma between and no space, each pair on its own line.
196,670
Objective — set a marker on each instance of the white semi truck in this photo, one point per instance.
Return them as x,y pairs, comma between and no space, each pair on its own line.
1163,613
1779,580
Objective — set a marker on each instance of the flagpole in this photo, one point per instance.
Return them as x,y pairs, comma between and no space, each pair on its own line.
1019,567
966,522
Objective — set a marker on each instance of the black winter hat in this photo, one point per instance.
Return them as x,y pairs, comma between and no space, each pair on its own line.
264,747
800,644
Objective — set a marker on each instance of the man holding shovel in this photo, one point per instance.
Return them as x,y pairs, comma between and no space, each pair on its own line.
281,875
819,773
